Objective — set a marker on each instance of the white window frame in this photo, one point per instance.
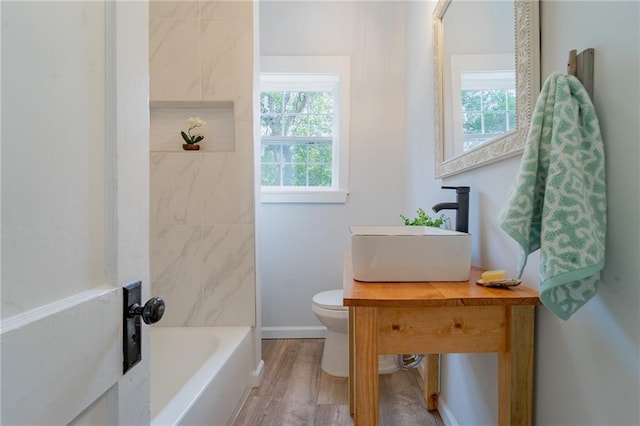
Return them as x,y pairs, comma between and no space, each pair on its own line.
276,69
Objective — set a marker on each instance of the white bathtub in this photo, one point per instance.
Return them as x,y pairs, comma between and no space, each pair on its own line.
199,375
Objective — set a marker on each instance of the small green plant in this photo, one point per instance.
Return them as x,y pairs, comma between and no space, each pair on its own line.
424,219
193,123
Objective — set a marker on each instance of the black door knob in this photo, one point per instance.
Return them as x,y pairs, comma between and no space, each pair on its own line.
151,312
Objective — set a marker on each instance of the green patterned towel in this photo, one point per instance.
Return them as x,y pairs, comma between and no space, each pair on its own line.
558,201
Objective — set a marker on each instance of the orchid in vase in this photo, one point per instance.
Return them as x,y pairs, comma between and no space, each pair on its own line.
193,123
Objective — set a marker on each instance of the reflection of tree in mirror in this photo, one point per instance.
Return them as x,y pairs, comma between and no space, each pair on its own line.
487,113
297,136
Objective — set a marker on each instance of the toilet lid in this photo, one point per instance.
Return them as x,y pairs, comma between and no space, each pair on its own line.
331,299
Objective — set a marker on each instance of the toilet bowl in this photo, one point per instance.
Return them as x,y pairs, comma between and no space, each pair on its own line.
328,307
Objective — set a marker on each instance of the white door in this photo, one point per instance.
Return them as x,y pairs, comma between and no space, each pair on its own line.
74,203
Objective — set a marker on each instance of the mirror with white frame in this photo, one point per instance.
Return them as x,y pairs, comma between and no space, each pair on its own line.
487,76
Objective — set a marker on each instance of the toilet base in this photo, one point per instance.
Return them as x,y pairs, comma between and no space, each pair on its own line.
335,356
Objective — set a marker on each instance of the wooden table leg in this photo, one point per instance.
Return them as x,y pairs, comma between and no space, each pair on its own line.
515,368
366,367
431,372
352,367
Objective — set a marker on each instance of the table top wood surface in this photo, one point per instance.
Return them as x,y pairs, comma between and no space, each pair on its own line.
426,294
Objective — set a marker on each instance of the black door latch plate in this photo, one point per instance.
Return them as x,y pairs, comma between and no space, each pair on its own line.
131,337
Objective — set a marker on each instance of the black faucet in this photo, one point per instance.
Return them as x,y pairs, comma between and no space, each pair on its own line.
461,206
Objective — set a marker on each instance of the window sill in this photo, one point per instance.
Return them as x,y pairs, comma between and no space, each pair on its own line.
303,196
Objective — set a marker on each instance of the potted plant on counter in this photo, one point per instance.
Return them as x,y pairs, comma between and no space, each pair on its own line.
423,219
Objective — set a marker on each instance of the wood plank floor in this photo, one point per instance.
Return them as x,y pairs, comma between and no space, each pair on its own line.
295,392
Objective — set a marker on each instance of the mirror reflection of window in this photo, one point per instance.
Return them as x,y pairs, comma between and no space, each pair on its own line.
488,100
483,94
478,34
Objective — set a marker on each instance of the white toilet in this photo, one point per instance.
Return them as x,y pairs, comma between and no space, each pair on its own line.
328,307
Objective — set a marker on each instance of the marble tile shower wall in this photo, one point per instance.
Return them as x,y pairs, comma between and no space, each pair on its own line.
202,214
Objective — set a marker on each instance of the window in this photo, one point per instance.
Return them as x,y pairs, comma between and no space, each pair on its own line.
297,132
304,129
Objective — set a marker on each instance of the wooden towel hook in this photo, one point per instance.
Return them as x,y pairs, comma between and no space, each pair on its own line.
581,66
572,65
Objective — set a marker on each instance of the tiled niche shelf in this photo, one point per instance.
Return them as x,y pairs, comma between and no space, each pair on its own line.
169,118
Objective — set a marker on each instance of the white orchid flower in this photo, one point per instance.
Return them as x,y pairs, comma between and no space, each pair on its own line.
193,123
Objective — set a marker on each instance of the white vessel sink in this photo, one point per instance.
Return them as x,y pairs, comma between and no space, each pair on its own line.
409,254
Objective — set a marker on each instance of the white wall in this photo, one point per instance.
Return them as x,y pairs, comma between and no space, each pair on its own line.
301,245
202,202
587,368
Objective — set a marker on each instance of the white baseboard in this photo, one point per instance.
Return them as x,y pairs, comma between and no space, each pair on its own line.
256,375
445,413
300,332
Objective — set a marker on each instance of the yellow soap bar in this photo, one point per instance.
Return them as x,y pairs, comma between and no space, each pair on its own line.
489,276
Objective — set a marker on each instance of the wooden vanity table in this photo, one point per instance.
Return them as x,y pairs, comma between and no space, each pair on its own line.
440,317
